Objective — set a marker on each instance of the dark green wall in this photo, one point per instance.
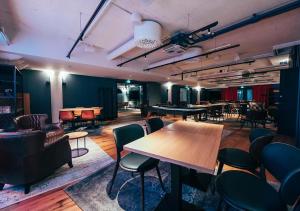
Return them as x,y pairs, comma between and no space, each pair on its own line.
87,91
78,91
153,93
164,94
36,83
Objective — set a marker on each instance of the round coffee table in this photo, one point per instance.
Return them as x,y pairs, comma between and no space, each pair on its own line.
77,152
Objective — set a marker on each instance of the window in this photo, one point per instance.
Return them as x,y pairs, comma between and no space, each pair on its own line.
249,95
245,93
240,94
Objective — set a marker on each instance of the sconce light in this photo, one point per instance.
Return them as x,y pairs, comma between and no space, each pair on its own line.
49,73
169,85
63,75
198,88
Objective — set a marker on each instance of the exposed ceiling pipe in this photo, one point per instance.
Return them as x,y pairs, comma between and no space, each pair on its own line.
217,66
208,27
262,71
191,53
215,50
97,18
250,20
80,37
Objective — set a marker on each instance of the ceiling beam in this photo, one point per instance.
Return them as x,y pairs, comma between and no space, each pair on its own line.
217,66
208,27
200,55
232,76
254,18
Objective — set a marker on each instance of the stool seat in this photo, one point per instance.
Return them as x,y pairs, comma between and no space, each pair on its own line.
245,191
237,158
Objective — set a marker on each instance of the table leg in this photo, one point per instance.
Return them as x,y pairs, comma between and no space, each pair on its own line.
176,187
173,201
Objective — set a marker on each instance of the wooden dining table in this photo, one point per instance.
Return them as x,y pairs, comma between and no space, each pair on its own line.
183,144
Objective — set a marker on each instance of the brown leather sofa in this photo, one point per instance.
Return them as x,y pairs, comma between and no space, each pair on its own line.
25,159
38,122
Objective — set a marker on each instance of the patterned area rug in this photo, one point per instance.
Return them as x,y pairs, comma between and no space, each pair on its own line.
84,166
91,193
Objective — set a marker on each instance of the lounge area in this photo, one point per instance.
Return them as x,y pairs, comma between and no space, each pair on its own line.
150,105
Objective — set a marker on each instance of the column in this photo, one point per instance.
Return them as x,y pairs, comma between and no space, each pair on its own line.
56,95
198,96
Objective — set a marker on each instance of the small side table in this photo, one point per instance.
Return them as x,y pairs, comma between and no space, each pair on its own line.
77,152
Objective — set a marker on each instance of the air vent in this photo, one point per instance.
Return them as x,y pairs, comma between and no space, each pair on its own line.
174,48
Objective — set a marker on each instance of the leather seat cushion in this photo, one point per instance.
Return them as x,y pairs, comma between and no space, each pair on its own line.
137,162
237,158
246,191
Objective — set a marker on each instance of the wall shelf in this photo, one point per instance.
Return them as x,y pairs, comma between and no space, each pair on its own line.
11,93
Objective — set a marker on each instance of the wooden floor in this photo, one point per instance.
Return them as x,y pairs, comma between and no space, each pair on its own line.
59,200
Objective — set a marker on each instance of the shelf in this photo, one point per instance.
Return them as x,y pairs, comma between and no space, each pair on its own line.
11,78
7,97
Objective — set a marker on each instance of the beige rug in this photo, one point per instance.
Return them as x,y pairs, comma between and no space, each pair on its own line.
84,166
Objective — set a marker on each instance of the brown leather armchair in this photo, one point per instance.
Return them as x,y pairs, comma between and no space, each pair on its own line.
24,158
38,122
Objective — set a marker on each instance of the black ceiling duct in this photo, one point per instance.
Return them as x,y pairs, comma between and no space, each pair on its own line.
218,66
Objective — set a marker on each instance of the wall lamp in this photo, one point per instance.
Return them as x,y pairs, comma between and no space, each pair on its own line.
49,74
63,75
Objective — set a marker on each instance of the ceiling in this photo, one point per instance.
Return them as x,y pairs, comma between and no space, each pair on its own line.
42,33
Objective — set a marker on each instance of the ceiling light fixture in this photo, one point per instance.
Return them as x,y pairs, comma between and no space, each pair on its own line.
147,34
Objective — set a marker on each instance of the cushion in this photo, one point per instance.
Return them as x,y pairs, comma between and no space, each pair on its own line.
137,162
246,191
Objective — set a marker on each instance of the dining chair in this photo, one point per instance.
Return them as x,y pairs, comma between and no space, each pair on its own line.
241,159
245,191
66,117
154,124
259,132
88,115
133,162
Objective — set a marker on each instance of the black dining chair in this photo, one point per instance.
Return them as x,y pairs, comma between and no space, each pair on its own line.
154,124
245,191
241,159
259,132
133,162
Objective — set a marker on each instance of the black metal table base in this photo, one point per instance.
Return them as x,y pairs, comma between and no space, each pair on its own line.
79,152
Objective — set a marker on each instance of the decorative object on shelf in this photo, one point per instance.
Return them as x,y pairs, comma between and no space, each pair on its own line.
11,91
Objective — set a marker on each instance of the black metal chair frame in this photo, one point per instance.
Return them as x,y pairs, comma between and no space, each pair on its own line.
254,153
141,171
276,158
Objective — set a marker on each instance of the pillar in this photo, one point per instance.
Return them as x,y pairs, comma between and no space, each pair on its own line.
56,95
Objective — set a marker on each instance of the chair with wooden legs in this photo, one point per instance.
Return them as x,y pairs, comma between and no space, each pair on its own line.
133,162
